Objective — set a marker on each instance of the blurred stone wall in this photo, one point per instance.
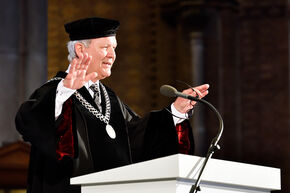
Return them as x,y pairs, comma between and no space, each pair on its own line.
23,56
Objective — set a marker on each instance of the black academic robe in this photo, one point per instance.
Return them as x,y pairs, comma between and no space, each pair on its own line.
138,139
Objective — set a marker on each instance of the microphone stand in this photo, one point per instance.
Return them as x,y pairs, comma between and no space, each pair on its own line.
170,91
213,145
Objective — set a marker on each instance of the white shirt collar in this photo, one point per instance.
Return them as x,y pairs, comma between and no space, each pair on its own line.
88,84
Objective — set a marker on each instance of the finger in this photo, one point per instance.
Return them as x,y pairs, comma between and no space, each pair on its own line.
84,61
198,93
87,62
193,92
82,74
86,56
192,103
202,88
91,76
68,80
72,66
205,93
188,91
80,60
189,107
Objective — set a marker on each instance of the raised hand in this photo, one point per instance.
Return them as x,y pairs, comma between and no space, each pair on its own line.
77,75
184,105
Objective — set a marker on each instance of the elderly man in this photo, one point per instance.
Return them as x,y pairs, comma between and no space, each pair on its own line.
76,125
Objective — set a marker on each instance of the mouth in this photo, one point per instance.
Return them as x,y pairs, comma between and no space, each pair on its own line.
108,64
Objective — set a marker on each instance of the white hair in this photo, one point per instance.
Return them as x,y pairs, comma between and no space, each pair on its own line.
71,48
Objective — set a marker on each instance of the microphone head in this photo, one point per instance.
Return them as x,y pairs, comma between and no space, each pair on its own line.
168,90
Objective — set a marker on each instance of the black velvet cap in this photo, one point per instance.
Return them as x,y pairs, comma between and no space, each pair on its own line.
90,28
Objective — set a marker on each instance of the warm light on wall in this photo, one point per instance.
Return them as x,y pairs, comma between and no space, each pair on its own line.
13,191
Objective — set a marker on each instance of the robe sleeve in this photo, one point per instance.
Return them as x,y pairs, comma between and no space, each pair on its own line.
35,120
153,135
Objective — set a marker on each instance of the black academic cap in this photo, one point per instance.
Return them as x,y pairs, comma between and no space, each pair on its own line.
90,28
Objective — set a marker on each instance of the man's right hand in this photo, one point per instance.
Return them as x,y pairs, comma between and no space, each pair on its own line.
77,76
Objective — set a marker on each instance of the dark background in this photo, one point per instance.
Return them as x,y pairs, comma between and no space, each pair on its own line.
239,47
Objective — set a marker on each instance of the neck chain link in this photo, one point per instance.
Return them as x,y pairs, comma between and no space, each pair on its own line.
105,118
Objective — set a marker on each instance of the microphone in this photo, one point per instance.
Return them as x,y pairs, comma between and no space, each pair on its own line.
170,91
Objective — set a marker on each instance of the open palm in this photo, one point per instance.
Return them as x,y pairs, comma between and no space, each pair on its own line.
77,75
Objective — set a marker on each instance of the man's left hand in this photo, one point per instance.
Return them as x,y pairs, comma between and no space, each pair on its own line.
184,105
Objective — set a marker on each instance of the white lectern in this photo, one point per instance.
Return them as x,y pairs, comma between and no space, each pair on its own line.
177,173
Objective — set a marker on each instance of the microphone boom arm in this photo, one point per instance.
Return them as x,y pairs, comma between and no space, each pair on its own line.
170,91
213,145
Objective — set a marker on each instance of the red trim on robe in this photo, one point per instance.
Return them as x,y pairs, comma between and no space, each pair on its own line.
65,146
183,138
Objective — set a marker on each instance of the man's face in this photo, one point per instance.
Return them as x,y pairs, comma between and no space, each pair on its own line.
103,55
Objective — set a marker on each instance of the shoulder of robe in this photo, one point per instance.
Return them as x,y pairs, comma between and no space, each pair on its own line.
49,86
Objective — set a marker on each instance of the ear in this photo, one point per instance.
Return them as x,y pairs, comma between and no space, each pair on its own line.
79,49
